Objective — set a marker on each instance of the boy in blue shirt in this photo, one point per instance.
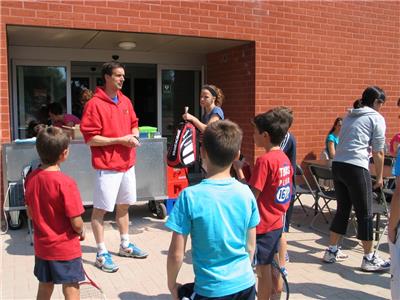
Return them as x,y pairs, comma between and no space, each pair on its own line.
221,215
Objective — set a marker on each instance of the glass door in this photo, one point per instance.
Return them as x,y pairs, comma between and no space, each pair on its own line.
177,87
35,85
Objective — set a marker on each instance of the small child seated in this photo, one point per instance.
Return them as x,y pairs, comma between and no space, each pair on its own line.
220,214
271,183
55,207
59,118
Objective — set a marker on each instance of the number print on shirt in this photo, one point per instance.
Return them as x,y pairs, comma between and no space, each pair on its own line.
283,194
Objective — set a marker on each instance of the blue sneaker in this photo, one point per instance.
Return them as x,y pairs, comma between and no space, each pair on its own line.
104,262
132,251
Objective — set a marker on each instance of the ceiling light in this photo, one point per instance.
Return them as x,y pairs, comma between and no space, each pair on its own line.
127,45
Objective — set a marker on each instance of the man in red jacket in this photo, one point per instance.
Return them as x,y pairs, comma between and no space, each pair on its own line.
110,127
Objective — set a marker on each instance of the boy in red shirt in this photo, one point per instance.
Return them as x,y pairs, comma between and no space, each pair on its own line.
271,183
55,207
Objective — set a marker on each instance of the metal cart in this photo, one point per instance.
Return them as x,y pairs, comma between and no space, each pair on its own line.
151,175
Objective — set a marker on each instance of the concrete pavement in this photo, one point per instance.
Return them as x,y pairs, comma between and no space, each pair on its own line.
309,277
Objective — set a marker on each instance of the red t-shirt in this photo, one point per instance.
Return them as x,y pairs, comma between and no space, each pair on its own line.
68,118
272,176
104,117
53,198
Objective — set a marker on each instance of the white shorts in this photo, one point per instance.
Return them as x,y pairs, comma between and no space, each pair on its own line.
113,187
395,266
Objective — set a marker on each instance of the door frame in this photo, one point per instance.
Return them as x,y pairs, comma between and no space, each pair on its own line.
160,68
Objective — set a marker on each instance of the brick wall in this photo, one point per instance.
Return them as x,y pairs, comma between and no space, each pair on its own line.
316,57
233,70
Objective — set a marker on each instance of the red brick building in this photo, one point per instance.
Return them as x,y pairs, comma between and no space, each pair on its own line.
314,56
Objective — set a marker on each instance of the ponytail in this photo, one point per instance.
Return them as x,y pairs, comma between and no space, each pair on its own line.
216,92
371,94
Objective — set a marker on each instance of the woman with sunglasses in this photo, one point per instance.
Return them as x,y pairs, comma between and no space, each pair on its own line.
363,127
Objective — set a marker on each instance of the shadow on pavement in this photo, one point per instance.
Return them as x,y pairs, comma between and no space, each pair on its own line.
137,296
322,291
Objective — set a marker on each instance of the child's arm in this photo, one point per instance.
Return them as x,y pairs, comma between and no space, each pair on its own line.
176,253
394,218
238,167
251,243
196,122
28,211
78,227
331,149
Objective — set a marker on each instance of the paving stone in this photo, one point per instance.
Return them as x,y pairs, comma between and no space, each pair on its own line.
146,279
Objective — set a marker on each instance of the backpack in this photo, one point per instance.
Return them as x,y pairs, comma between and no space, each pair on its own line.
182,152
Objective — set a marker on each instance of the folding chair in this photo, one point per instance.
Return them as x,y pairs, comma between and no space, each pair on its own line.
303,187
380,208
389,184
379,205
327,194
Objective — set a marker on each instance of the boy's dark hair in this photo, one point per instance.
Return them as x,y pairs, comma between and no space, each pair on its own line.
286,110
108,68
50,144
33,128
55,108
275,122
221,141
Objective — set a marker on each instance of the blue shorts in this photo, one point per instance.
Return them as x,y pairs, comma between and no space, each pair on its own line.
186,291
267,246
59,271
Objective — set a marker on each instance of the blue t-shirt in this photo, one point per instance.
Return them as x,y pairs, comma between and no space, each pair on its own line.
217,214
396,167
331,138
215,111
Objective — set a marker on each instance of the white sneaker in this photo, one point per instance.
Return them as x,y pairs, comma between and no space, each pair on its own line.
331,257
375,264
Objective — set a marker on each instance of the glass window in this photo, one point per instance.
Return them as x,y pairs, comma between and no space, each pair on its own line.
37,86
179,88
78,85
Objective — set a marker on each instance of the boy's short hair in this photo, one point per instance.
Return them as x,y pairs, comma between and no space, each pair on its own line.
286,110
50,144
275,122
55,108
221,141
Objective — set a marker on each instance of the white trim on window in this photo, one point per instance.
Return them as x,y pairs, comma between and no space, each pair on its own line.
40,63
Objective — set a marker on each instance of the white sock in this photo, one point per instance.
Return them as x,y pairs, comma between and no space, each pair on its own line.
124,240
369,256
101,248
333,248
